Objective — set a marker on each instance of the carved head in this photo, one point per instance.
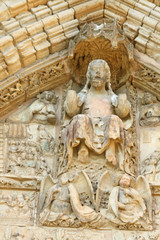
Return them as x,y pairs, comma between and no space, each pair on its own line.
125,181
98,73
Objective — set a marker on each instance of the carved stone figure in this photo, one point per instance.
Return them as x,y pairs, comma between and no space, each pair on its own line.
41,110
126,205
45,139
26,157
151,167
54,201
150,111
99,127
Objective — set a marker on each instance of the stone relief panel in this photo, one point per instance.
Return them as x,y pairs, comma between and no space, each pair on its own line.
42,110
28,149
85,156
116,202
94,139
150,111
149,135
17,207
151,167
29,135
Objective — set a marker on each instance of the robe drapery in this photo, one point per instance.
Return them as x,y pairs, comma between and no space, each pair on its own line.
94,132
134,206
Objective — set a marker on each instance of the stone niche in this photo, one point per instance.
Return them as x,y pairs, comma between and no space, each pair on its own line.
81,159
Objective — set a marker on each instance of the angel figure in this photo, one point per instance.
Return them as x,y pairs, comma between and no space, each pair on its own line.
54,203
126,205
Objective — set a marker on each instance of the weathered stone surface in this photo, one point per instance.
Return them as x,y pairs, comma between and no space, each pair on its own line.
80,155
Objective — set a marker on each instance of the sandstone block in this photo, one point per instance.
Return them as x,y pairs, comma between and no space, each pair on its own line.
142,39
41,12
66,16
35,28
24,46
156,15
57,6
150,23
41,45
117,8
19,35
16,7
157,30
56,38
10,54
35,3
129,3
138,16
143,9
147,4
85,8
130,29
3,68
95,16
72,3
109,14
50,21
4,12
10,25
26,18
27,52
71,28
153,49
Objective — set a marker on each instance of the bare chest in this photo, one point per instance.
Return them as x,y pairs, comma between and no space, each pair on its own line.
97,106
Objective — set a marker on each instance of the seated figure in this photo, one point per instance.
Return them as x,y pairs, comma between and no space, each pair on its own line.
99,126
126,205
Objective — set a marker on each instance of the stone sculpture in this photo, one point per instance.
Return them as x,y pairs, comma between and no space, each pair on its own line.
99,126
151,167
54,203
126,205
41,110
150,111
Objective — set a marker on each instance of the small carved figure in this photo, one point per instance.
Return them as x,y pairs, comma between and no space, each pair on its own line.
97,128
128,205
45,139
150,111
54,202
151,167
41,110
25,156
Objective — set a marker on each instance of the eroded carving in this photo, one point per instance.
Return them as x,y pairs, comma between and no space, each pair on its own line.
150,111
151,167
126,207
99,127
28,151
17,207
41,110
54,203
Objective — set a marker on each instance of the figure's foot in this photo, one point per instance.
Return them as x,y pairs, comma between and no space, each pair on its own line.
83,154
111,158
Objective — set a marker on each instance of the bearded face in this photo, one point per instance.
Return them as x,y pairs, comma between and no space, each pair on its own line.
98,73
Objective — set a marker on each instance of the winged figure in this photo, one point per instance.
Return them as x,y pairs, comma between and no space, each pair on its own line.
127,204
54,201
